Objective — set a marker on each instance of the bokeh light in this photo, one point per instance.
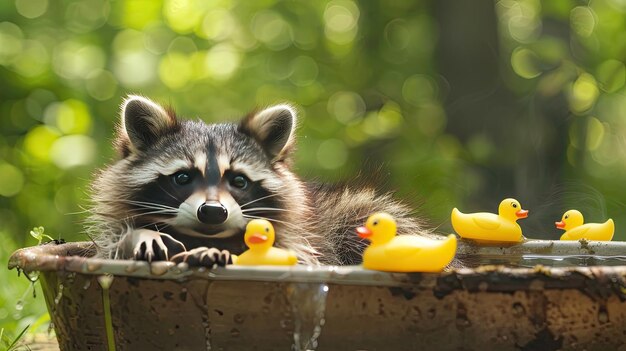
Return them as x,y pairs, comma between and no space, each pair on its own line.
31,8
12,180
341,18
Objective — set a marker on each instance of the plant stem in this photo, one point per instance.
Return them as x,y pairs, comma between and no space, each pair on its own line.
105,282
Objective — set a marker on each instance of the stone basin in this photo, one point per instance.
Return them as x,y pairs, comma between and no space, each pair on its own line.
163,306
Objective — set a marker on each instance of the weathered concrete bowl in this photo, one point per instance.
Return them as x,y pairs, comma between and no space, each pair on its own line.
168,307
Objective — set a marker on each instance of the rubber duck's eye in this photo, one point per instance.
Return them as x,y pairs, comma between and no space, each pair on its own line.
375,223
267,230
566,216
514,205
240,182
181,178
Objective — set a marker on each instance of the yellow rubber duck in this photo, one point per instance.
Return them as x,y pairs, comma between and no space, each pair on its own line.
572,223
403,253
259,238
485,226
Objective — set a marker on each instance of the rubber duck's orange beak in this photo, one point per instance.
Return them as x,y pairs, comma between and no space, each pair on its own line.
560,225
257,238
363,232
522,213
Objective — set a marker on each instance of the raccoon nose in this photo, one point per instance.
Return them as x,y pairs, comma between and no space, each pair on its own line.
212,213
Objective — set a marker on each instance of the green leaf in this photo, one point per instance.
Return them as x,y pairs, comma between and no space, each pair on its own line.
19,336
37,233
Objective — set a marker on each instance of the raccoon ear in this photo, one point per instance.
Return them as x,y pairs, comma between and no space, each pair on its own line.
274,128
143,123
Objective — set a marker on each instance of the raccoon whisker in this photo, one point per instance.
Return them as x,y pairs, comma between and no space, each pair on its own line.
266,209
154,210
144,208
266,218
151,212
156,227
259,199
167,192
164,227
156,206
171,238
147,204
164,210
122,200
287,224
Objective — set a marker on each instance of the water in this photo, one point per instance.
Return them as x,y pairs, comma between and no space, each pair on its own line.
308,306
57,299
572,260
19,305
531,260
199,299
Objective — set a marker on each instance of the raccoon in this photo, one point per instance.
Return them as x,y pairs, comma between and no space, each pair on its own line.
184,190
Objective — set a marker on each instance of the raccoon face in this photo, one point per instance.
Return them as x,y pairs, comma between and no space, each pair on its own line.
202,180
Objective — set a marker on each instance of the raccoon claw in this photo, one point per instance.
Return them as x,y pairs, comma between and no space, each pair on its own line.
204,257
148,246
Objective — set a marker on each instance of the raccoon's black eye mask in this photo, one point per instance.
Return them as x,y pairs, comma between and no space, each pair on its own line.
185,177
235,179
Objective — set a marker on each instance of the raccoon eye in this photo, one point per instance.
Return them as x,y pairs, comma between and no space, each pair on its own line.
181,178
239,182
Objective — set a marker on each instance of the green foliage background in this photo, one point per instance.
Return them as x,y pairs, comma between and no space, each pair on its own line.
449,103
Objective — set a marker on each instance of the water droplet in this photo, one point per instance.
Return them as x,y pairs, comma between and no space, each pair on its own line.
183,266
131,268
235,332
19,305
160,268
603,317
462,323
57,299
33,276
93,266
286,323
238,318
518,309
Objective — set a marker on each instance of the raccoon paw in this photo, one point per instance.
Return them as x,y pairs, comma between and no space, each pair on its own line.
148,245
204,257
